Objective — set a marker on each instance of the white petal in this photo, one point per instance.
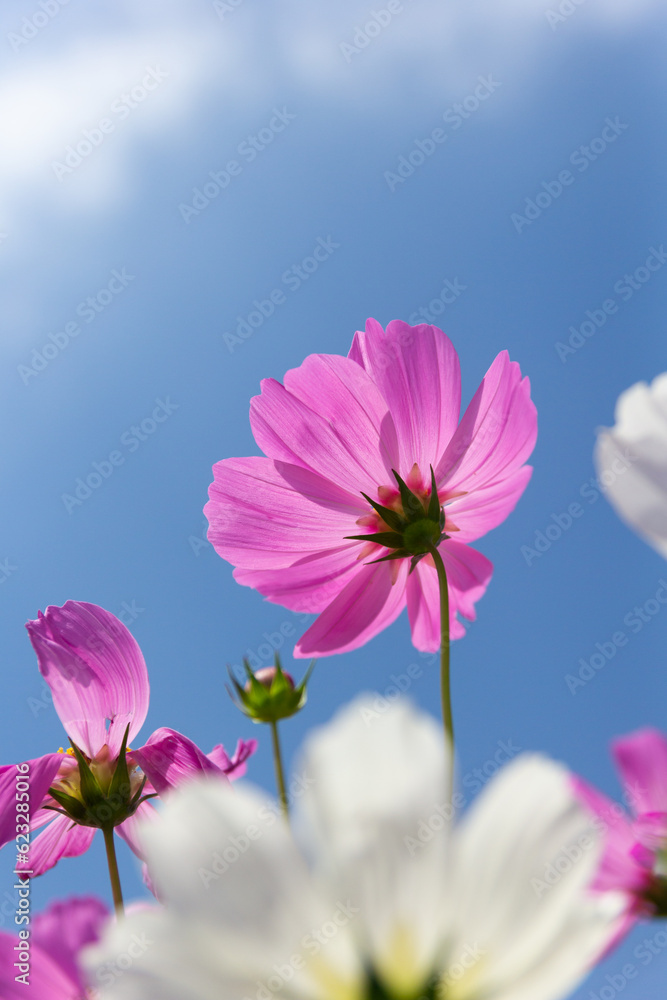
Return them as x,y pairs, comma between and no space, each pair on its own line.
377,808
159,956
240,904
525,855
631,460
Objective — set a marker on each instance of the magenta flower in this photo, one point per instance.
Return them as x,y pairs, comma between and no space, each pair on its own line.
634,859
51,968
335,435
98,679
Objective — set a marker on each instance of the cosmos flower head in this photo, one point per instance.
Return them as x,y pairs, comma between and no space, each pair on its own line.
635,856
97,675
366,465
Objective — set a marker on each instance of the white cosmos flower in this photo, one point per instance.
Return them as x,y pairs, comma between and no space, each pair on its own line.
631,460
384,899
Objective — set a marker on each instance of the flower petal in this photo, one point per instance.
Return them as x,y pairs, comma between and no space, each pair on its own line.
368,603
264,514
417,371
497,432
65,928
96,672
468,575
234,767
641,758
309,584
39,777
631,464
423,598
329,417
526,854
371,781
60,839
618,868
239,898
130,830
168,758
478,512
651,833
46,979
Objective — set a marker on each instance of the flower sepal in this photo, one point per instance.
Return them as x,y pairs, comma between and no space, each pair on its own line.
416,529
97,794
270,694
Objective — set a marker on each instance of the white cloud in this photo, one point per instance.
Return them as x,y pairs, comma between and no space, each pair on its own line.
67,77
50,100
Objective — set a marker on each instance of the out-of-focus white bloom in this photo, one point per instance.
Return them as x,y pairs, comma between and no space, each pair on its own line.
384,898
631,460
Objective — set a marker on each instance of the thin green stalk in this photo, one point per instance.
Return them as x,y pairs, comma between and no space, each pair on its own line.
280,776
113,870
444,658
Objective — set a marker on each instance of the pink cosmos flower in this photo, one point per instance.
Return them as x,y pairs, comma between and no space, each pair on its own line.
335,435
56,936
636,844
98,679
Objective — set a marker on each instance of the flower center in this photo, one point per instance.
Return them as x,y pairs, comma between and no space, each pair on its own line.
376,990
409,520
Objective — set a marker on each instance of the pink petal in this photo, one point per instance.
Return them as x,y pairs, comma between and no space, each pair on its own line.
417,371
40,775
148,881
365,606
650,830
330,418
130,830
61,839
65,928
619,870
478,512
47,980
497,432
642,760
423,596
234,767
169,758
264,515
312,582
96,672
468,575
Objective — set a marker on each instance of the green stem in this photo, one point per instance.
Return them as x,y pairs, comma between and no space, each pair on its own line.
444,658
113,870
280,776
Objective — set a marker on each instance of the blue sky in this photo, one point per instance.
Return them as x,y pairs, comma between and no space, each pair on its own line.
329,126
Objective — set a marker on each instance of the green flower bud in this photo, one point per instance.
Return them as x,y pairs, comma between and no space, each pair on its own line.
270,694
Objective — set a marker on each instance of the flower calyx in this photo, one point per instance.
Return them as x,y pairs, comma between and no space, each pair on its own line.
656,896
270,694
414,530
100,793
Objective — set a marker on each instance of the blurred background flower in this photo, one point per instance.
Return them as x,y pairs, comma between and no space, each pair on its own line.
398,901
631,460
50,968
